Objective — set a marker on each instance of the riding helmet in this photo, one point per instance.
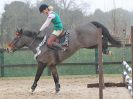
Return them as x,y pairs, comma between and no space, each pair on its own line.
43,7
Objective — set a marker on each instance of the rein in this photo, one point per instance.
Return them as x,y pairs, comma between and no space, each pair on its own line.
32,42
35,38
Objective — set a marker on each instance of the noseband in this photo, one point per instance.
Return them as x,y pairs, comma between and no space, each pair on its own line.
12,44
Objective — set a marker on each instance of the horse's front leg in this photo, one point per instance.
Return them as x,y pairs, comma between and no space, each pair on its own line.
39,72
55,77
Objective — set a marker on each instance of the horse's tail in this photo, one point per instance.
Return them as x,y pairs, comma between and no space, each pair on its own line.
106,34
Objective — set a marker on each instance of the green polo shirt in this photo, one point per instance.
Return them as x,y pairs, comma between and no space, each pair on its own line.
57,24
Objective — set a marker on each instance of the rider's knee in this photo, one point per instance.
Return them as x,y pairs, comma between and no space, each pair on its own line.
49,43
50,40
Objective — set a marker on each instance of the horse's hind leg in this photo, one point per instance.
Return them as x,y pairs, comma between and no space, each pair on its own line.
40,69
55,77
105,49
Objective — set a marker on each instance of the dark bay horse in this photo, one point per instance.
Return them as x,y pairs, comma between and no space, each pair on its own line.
83,36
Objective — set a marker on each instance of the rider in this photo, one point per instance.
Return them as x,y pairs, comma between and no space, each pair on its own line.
53,18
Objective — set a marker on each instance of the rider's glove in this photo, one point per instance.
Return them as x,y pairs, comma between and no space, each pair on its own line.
38,32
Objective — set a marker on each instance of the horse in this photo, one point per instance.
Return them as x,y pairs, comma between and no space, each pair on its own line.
82,36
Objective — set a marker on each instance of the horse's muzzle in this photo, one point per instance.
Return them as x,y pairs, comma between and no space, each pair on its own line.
9,50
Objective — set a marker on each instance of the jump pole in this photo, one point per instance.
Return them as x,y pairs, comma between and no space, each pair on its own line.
101,83
101,79
132,55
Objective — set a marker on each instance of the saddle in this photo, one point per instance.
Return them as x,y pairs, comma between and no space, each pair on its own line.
64,38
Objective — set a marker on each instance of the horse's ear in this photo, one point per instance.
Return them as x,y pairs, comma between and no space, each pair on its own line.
21,31
17,30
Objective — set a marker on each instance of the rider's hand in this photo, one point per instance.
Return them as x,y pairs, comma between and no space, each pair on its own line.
38,32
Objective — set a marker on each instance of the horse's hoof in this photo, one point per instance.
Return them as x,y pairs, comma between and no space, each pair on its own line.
33,87
110,53
57,88
31,91
57,92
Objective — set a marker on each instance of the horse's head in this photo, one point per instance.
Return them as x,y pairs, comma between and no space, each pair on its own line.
18,41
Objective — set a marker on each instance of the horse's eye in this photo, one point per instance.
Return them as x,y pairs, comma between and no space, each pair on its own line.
17,34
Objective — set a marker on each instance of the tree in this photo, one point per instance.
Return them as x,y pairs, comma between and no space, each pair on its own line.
66,4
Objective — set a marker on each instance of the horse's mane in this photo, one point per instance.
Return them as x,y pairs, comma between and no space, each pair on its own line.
31,34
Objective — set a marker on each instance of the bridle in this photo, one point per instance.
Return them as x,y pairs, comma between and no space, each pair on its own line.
19,33
18,36
12,44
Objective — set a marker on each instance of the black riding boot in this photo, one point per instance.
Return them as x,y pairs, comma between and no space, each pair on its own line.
57,46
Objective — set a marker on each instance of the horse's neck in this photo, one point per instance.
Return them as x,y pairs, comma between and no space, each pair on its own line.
34,44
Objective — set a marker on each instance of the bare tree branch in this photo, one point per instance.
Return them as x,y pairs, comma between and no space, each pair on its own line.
66,4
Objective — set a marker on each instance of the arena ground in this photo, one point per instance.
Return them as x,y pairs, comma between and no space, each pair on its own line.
72,87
